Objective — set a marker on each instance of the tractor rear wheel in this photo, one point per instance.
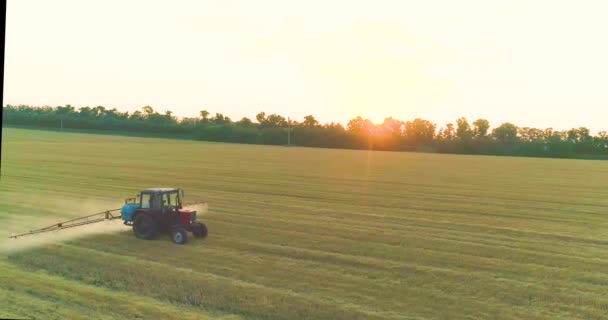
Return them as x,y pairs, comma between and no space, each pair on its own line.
199,230
179,235
145,227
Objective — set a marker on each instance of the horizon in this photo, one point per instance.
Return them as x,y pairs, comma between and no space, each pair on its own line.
438,127
514,62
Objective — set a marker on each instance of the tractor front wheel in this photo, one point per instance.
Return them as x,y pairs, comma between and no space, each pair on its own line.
145,227
199,230
179,235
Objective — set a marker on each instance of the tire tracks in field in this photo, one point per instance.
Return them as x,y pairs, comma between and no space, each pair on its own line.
395,225
487,279
531,261
52,296
442,211
215,283
436,294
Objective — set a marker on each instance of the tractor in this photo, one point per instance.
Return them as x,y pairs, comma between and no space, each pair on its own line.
159,210
153,211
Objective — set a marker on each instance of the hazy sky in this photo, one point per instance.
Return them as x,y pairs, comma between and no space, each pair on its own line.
535,63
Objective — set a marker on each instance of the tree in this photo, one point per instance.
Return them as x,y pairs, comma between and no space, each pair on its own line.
359,125
361,132
114,114
463,130
601,141
585,143
506,132
204,114
584,135
392,134
100,111
448,133
220,119
244,122
275,120
480,128
137,115
528,134
310,121
62,111
334,126
271,121
547,133
419,131
392,127
261,117
87,113
148,110
581,139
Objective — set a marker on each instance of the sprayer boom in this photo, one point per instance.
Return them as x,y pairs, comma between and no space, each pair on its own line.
154,210
93,218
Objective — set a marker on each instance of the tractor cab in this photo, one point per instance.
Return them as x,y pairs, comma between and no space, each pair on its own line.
162,199
161,210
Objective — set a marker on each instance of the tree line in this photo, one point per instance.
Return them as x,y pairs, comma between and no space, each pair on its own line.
392,135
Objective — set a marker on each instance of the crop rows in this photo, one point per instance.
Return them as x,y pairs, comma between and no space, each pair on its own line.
301,233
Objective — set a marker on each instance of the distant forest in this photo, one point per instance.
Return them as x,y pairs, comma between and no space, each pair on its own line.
393,135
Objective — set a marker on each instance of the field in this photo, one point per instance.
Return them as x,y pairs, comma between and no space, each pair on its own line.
302,233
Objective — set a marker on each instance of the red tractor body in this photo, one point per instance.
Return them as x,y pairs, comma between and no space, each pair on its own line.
160,210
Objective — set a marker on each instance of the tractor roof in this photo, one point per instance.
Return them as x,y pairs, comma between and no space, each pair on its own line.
150,190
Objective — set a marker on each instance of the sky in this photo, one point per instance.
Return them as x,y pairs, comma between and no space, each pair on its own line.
538,63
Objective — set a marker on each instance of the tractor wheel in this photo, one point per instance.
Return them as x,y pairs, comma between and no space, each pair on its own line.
179,235
145,227
199,230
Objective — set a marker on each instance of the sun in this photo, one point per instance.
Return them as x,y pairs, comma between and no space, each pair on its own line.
375,117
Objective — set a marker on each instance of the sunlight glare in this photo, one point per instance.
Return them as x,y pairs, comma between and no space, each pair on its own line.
375,117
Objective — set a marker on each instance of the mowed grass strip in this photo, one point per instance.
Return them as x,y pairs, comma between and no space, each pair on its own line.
323,234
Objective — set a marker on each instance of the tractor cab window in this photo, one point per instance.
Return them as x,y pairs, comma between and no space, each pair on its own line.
145,201
156,201
170,200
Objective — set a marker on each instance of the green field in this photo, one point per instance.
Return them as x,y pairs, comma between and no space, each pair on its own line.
302,233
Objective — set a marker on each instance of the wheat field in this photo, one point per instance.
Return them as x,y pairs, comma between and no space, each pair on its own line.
302,233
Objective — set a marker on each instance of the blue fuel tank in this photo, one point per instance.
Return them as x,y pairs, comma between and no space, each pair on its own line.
126,212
